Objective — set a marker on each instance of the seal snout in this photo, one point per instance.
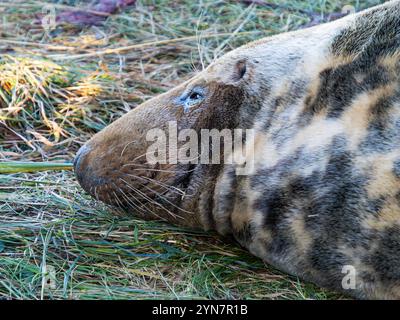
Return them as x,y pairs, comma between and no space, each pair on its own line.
85,149
85,172
81,166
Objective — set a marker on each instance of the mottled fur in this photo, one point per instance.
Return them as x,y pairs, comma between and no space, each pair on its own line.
325,188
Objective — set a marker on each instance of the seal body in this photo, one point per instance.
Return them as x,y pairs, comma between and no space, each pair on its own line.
323,193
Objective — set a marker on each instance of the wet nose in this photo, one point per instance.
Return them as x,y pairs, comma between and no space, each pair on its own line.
82,152
88,170
83,168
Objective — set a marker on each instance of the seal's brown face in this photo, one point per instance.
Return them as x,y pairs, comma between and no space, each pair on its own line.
113,166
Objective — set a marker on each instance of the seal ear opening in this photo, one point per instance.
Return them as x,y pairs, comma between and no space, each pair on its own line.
240,70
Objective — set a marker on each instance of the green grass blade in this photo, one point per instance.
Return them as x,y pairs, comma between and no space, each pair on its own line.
18,167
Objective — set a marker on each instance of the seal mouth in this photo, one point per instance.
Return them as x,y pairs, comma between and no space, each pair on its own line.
152,200
186,179
146,196
139,188
176,193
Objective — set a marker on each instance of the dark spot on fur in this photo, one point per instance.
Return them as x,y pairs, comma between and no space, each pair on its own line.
274,206
383,130
373,36
339,86
339,196
386,259
374,32
325,258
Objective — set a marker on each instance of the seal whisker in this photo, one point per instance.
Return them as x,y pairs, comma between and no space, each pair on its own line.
165,199
131,202
170,188
167,171
95,193
117,202
148,199
138,157
117,199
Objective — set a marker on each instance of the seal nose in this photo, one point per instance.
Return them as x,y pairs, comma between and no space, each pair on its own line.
84,150
87,170
81,165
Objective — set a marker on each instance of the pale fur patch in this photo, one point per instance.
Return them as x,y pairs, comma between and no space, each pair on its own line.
355,119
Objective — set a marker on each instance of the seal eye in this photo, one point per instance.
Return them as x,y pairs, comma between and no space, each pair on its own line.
191,98
195,96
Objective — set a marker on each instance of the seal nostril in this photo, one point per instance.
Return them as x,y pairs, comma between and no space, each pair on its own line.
79,155
92,179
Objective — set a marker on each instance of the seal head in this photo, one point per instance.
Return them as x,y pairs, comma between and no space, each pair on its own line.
114,168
